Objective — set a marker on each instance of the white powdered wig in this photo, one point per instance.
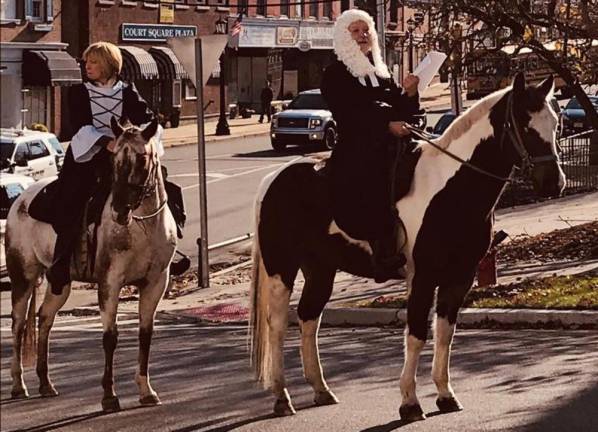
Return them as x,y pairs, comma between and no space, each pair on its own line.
347,50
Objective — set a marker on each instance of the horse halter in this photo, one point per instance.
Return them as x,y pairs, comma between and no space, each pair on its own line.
511,128
147,189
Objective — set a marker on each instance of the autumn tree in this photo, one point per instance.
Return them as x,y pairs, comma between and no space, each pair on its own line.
571,26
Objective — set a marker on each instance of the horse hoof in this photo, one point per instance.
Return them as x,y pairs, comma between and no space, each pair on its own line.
21,393
325,398
449,404
110,404
47,391
284,407
411,413
150,400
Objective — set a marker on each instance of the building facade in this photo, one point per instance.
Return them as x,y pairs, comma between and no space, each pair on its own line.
35,68
140,29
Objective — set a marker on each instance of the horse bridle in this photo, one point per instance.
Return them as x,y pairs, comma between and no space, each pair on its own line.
147,189
510,128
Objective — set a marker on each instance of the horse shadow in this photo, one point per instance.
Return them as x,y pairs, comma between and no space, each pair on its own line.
224,428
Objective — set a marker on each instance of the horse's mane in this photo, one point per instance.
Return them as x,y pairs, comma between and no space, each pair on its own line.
464,122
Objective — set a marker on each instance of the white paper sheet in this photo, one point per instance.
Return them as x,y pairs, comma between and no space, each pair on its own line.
427,68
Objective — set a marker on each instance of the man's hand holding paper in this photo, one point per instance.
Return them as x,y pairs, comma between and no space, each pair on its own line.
427,68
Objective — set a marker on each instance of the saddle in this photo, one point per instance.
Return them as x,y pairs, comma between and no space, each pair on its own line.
42,208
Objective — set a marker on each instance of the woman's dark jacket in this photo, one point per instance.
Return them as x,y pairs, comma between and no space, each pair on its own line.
360,160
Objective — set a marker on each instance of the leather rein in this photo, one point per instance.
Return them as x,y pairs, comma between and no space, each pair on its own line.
510,128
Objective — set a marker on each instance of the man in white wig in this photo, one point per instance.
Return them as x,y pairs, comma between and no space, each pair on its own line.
370,111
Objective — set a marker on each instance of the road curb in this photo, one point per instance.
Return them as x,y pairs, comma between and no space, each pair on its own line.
467,316
173,142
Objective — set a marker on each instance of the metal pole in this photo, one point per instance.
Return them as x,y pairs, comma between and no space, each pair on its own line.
203,276
381,24
222,126
411,51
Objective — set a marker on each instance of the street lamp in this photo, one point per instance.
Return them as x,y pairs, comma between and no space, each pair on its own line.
222,126
411,24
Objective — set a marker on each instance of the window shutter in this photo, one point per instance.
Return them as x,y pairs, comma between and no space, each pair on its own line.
49,10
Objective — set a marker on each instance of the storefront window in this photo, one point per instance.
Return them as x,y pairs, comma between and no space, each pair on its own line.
284,7
261,7
176,93
313,9
328,9
190,93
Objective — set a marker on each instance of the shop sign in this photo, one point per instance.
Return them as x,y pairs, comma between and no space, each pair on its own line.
304,45
257,37
319,37
286,36
167,11
155,32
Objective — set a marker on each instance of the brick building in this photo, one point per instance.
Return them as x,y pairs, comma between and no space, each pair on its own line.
34,66
140,29
291,44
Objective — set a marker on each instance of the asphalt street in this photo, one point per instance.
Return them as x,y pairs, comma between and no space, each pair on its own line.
507,380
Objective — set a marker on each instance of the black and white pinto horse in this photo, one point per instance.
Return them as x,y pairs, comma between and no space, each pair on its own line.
448,219
137,253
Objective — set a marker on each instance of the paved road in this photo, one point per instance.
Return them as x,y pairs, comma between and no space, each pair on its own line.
234,168
517,380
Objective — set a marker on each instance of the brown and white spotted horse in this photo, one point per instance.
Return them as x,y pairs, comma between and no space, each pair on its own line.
135,244
448,218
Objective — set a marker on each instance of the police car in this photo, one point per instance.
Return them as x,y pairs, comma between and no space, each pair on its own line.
31,153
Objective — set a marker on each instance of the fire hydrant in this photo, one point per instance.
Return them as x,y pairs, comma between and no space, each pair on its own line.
487,267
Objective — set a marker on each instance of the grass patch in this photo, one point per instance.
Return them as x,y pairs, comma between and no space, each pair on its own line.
559,292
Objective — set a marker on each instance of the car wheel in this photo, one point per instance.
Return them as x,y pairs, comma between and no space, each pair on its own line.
330,137
278,145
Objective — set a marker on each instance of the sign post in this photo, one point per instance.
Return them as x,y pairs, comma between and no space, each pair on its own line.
202,241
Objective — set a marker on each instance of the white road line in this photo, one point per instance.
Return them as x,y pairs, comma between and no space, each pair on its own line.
235,175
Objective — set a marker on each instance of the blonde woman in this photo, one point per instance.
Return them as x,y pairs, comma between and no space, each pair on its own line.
91,106
370,111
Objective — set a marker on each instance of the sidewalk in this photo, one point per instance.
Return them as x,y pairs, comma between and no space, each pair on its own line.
226,302
435,98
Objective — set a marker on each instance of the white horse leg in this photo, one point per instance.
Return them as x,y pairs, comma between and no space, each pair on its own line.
278,322
421,297
149,297
24,278
312,368
450,299
319,281
47,313
108,301
20,304
443,337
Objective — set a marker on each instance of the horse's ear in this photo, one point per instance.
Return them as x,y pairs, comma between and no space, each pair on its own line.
124,121
519,83
150,130
117,129
546,87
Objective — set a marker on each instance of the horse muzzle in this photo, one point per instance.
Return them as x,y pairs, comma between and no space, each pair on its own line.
123,217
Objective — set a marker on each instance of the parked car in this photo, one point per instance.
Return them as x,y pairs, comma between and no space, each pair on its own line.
574,119
442,124
306,120
31,153
11,186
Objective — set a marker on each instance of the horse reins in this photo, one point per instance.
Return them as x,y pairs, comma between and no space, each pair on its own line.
148,189
511,128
